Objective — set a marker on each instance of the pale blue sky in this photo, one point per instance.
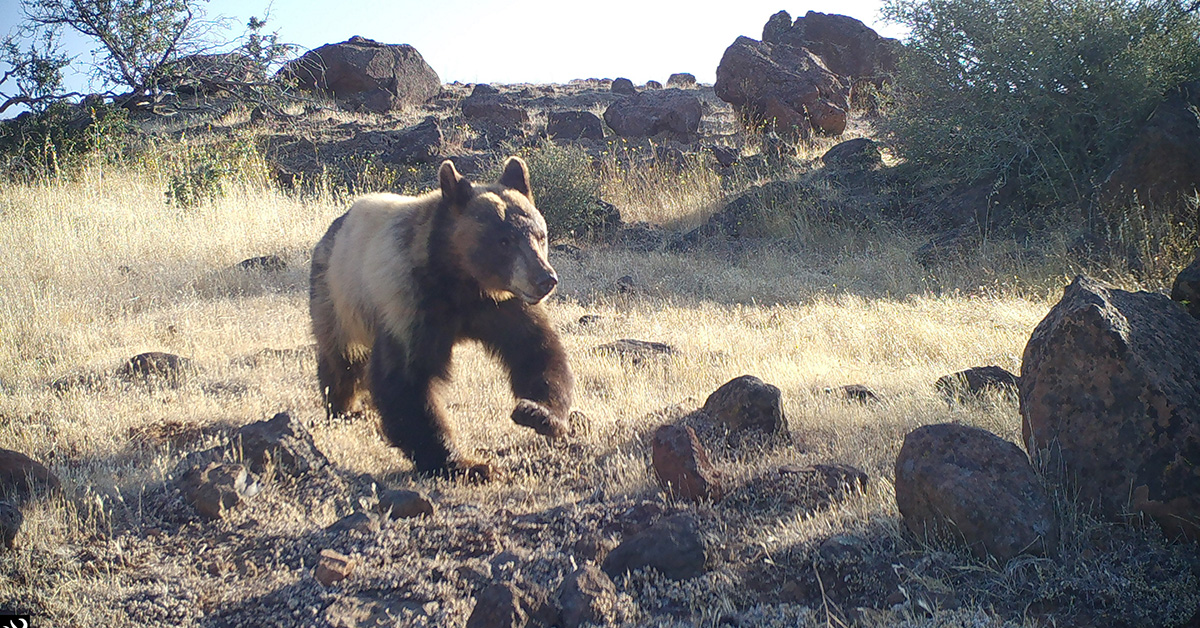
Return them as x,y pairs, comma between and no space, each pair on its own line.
535,41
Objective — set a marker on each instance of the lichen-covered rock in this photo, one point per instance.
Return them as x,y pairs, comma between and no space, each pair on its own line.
1110,394
682,466
747,403
975,487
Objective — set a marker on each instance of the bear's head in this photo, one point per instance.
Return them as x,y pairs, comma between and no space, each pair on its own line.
498,236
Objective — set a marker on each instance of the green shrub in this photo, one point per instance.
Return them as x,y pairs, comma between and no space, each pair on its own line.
55,141
566,189
1047,91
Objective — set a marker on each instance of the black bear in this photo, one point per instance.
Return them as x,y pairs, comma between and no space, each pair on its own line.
397,281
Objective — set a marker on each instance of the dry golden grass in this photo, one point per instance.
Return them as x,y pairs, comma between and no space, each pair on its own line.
100,268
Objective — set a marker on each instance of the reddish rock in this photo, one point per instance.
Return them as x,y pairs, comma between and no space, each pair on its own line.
747,403
22,476
682,466
512,605
333,567
752,73
974,487
669,113
587,596
1110,393
1186,289
366,74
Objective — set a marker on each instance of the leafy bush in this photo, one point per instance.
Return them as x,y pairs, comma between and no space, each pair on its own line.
1047,91
566,189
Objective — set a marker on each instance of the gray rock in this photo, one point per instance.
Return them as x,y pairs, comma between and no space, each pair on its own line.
674,546
405,504
747,403
587,596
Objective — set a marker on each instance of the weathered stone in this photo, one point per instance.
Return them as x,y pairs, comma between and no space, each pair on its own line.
856,154
652,84
405,504
637,351
268,263
22,476
829,479
512,605
587,596
421,143
332,567
1110,394
724,155
624,87
752,73
670,113
366,74
977,382
1186,288
10,523
858,393
574,125
682,466
214,489
283,441
681,79
747,403
360,522
493,108
155,365
847,46
976,488
674,546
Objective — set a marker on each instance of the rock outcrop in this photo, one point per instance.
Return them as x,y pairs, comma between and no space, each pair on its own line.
365,74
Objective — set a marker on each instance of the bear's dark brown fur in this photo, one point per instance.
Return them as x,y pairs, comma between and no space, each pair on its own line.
398,281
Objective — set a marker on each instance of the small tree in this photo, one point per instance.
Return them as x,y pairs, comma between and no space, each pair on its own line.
1047,91
35,69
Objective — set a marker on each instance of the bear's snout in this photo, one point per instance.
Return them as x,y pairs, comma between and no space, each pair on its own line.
547,283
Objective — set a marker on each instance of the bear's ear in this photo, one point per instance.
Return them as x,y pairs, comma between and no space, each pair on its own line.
456,189
516,176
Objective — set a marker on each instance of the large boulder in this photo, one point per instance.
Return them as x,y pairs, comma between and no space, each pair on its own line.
792,83
1161,166
574,125
1110,394
366,74
669,113
976,487
747,403
847,46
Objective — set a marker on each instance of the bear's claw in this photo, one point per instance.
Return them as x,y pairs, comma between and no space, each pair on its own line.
537,416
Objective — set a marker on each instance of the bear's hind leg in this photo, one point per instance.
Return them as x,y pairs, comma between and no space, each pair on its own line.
342,384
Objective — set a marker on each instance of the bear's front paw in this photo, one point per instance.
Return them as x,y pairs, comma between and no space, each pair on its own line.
471,471
535,415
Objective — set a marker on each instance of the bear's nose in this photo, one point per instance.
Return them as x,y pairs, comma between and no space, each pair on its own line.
547,283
